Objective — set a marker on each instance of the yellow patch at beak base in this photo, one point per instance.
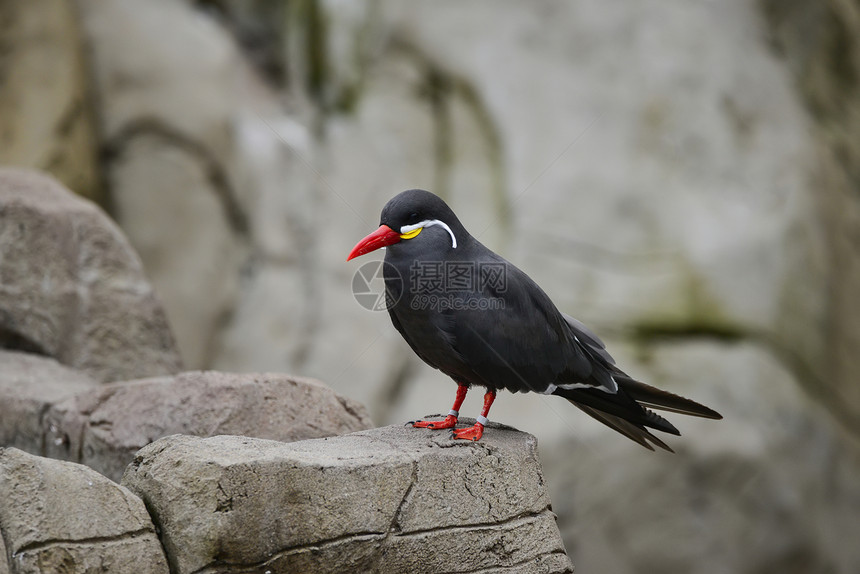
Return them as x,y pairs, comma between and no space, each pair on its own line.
411,234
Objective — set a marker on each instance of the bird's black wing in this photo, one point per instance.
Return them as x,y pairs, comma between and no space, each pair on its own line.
591,341
520,340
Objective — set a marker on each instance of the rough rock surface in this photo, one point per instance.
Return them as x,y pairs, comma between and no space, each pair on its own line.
104,428
72,288
62,517
29,385
393,499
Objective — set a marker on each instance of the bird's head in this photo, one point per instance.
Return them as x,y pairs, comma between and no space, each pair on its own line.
417,219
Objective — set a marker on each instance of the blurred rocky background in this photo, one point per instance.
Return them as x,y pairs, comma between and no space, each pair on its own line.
683,177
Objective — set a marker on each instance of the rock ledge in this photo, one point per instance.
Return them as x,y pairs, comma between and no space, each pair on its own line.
393,499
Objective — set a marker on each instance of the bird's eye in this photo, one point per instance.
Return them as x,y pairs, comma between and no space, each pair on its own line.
413,216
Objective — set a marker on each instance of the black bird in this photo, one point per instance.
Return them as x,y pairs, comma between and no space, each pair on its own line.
480,320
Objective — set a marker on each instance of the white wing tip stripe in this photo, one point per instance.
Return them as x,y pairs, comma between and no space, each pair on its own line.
552,388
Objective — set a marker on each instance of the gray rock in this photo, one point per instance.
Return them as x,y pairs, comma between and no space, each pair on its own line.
166,79
62,517
72,288
103,428
157,178
189,67
29,386
393,499
46,119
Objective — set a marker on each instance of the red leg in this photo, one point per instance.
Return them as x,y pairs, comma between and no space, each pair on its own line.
477,431
451,420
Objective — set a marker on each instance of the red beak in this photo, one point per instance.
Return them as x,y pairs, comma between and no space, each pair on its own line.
379,238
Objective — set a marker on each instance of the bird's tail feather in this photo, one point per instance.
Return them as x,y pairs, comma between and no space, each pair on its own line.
619,405
634,432
655,398
627,410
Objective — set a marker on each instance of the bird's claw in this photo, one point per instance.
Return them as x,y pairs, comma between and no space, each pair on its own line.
469,433
447,423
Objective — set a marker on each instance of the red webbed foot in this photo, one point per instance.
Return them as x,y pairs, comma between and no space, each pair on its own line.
448,423
477,431
469,433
